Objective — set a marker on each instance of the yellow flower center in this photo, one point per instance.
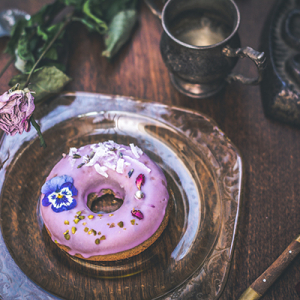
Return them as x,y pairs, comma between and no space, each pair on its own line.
59,196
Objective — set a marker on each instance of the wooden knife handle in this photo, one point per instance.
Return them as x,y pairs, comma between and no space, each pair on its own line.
266,279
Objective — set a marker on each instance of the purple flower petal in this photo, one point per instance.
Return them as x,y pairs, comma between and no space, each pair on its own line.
45,200
55,183
58,192
140,180
71,187
64,207
16,109
137,213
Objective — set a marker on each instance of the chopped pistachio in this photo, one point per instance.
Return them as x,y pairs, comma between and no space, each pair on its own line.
121,224
66,222
81,217
99,232
112,225
92,231
91,217
67,231
110,215
78,213
86,229
55,241
100,215
97,241
74,229
67,236
84,223
76,221
132,221
102,238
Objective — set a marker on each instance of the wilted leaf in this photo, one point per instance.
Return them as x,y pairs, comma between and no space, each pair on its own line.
44,82
119,31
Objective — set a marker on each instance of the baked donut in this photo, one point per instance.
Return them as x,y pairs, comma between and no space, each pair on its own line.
91,172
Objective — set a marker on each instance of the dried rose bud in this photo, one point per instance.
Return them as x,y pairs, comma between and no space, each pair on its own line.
140,180
16,108
137,213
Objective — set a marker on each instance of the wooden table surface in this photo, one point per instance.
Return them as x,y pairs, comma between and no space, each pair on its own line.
269,217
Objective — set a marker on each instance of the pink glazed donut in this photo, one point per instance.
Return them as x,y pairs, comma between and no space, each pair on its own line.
98,169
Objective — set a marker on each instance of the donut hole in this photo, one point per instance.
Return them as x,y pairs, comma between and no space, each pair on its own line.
105,203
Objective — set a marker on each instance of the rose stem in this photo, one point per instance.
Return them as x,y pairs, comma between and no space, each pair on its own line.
46,50
32,120
37,128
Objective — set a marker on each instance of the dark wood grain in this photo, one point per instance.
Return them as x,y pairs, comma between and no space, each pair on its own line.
267,278
270,213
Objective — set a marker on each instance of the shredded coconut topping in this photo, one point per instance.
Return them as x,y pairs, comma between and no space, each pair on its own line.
108,155
120,166
109,165
128,158
101,170
137,152
72,151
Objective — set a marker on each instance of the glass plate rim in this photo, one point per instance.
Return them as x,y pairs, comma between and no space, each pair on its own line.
190,283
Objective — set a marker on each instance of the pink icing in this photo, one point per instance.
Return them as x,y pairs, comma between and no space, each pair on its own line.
96,174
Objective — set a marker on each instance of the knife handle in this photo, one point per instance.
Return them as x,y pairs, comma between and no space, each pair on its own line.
267,278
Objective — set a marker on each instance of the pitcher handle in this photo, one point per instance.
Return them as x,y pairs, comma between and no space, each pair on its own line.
258,58
154,8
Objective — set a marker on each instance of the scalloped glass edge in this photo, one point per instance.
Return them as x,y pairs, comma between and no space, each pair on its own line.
217,148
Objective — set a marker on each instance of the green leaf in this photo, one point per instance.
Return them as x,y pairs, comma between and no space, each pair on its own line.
56,64
119,31
101,26
42,33
44,82
24,50
90,25
49,34
76,3
15,35
110,8
51,54
24,56
46,14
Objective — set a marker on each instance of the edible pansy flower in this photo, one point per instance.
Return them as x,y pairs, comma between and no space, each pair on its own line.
137,213
59,192
140,180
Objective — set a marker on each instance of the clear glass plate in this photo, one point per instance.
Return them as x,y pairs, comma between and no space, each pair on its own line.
190,260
